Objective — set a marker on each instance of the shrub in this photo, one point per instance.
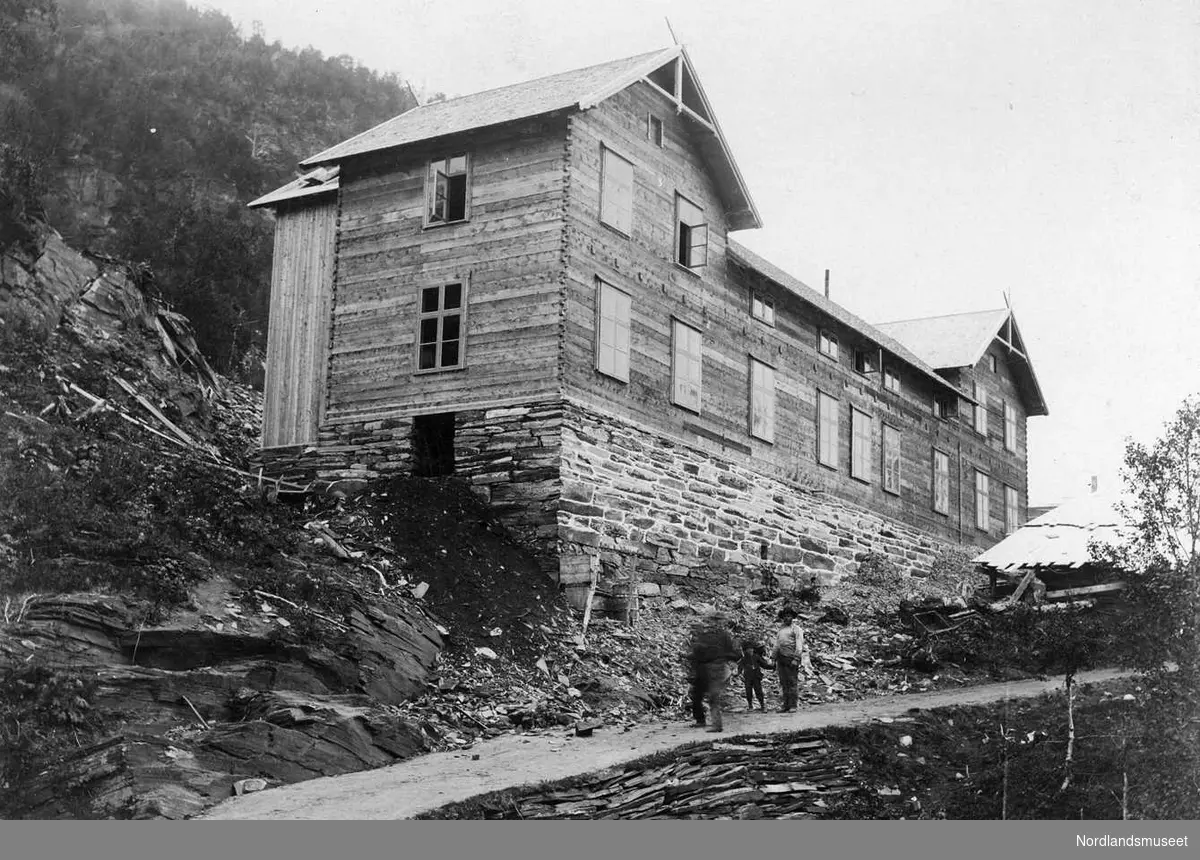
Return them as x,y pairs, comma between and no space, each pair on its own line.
878,570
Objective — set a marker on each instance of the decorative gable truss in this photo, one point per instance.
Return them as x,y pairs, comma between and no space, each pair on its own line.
671,73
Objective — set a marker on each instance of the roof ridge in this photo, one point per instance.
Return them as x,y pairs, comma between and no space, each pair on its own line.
944,316
527,81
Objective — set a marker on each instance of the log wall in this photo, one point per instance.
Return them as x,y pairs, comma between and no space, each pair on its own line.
716,300
508,252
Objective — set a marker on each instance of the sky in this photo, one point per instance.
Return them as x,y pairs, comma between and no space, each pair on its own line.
934,155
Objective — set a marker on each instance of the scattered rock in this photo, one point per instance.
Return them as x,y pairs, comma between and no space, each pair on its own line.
246,786
584,728
486,653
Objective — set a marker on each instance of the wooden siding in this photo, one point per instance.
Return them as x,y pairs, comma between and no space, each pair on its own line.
988,454
298,331
716,299
509,253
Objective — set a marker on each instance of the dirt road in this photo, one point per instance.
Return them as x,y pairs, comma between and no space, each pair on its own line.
420,784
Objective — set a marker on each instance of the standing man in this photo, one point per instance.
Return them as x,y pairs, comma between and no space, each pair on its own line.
789,652
712,650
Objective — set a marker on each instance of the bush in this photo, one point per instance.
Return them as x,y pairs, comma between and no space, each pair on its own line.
77,514
876,569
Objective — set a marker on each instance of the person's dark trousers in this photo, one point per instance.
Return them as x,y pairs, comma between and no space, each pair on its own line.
699,689
754,688
716,690
789,680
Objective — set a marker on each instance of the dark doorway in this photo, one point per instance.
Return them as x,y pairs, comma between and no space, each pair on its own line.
433,445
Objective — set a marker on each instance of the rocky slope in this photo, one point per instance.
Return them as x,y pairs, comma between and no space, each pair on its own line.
173,630
166,632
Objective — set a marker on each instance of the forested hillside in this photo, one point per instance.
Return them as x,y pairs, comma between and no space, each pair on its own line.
141,128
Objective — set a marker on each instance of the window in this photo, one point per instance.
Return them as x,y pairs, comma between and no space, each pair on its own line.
828,345
1010,427
891,381
941,482
440,327
612,332
863,362
762,401
691,233
686,366
616,192
860,445
992,362
1012,510
762,309
891,459
654,130
827,430
446,190
982,500
980,409
941,408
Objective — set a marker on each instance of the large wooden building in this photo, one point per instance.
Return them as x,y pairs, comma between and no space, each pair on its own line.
535,288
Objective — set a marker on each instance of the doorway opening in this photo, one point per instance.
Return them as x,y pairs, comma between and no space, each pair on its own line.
433,445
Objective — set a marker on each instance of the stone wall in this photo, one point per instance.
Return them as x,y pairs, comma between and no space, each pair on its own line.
509,455
637,503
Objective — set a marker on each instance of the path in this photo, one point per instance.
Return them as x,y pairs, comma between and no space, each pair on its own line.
420,784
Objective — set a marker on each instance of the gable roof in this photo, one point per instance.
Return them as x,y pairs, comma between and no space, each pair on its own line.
579,89
1061,537
748,259
323,180
954,341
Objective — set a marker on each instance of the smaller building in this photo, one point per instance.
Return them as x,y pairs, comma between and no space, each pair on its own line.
1057,548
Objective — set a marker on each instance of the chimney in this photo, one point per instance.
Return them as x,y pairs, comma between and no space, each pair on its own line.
826,283
1095,484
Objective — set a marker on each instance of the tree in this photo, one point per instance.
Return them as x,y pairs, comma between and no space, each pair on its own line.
1161,631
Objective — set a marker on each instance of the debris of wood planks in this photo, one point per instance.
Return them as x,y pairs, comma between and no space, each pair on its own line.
704,782
327,537
1102,588
1021,586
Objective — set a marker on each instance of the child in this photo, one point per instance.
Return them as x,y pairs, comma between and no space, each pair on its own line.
754,660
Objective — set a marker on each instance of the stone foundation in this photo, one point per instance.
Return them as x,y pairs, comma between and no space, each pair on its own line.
509,455
603,501
639,505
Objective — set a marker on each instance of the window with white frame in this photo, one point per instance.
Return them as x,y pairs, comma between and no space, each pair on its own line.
440,327
447,190
981,413
762,308
1010,427
992,362
616,192
860,445
941,482
827,430
691,234
982,501
686,364
762,400
891,381
612,331
827,344
891,459
1012,510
